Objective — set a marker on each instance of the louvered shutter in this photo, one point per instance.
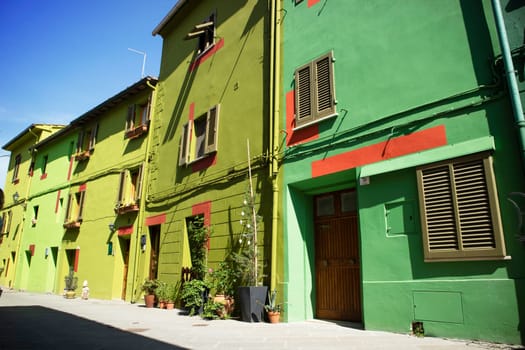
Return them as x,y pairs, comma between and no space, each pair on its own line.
324,87
212,122
121,188
81,202
80,141
130,120
68,208
460,212
184,144
303,95
146,112
138,189
93,138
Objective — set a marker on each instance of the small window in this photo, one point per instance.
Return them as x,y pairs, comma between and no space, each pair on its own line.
199,137
86,142
6,223
74,209
16,168
130,189
34,219
205,33
314,91
137,119
459,210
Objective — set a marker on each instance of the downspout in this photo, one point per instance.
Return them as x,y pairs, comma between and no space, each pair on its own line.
274,126
517,108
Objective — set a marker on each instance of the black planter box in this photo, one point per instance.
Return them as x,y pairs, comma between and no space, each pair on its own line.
252,301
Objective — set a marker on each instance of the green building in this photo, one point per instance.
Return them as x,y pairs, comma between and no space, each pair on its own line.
401,154
212,126
14,253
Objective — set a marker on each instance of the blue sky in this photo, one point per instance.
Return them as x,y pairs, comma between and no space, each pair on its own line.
60,58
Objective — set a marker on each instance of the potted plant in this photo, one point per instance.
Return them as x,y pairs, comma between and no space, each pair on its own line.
222,287
71,282
251,296
161,293
172,295
194,294
148,287
273,310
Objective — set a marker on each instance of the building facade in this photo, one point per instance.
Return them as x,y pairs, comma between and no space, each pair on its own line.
399,130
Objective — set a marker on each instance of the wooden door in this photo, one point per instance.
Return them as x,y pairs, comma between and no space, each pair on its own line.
125,243
338,280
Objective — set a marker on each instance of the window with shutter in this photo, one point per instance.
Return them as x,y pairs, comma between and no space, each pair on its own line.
86,142
314,91
137,119
16,168
205,33
460,211
199,137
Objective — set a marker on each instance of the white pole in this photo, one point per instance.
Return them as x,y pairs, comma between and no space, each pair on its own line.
254,214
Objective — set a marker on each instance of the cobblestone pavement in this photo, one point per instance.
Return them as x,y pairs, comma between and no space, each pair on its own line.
46,321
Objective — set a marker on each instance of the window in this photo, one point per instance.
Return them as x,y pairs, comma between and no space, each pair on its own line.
74,209
314,91
459,210
34,219
130,189
6,224
16,168
86,142
205,32
44,167
199,137
137,119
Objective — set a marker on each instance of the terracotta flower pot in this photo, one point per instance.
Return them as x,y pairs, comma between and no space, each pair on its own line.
273,317
149,299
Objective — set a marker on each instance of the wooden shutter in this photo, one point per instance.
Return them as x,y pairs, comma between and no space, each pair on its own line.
121,188
68,208
184,144
324,87
303,95
130,119
93,138
460,212
138,188
212,122
146,113
81,201
80,141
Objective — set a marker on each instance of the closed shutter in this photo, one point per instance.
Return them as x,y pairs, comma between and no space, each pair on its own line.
303,95
212,123
460,212
324,87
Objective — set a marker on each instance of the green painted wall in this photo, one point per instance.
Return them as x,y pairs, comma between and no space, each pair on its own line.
235,77
401,68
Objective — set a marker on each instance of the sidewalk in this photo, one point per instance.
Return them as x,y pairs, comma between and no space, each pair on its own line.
133,326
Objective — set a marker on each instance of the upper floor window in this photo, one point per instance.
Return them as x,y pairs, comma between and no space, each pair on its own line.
6,223
314,91
130,189
16,168
460,211
199,137
74,209
44,167
86,142
137,119
205,32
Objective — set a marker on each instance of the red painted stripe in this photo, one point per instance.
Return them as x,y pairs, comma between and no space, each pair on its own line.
82,188
395,147
156,220
126,230
207,55
77,257
57,201
306,134
312,2
192,111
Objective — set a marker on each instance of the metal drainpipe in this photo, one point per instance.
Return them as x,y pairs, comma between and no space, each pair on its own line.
274,118
511,77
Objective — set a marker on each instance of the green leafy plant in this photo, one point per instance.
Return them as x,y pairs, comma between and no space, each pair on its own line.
192,295
222,280
272,305
71,281
162,291
173,292
198,235
212,309
149,286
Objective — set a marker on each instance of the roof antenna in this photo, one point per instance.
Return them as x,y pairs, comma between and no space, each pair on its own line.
143,60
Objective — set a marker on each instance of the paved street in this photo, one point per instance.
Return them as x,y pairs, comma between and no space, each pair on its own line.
43,321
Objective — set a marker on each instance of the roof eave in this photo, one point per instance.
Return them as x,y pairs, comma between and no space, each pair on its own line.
169,16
